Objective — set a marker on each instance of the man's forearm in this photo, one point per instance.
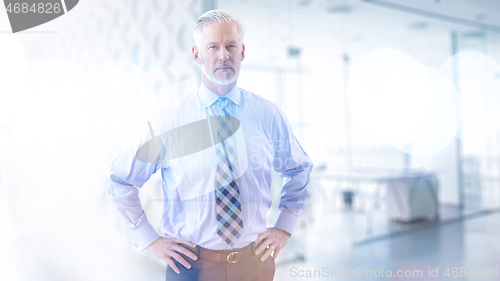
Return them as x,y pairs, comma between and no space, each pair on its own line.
125,201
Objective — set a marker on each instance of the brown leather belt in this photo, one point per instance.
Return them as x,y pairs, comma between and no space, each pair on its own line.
230,256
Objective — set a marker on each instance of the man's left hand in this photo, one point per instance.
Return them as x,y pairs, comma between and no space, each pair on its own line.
274,239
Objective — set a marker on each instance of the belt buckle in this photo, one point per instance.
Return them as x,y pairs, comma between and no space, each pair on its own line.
229,260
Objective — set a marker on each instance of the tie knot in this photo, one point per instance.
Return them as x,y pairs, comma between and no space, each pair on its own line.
222,102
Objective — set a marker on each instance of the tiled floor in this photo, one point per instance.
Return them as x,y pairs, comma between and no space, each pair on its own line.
469,244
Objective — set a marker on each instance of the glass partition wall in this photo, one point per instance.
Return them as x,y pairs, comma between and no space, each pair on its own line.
376,91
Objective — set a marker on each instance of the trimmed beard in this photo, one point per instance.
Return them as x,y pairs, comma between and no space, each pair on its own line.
225,80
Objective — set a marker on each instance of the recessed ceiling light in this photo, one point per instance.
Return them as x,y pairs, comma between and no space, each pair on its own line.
420,25
481,16
304,3
339,9
473,34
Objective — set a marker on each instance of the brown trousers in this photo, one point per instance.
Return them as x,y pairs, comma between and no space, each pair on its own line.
248,268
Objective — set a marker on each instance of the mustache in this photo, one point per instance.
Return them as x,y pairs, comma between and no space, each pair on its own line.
225,63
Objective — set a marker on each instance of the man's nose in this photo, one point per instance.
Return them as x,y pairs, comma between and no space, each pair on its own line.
223,54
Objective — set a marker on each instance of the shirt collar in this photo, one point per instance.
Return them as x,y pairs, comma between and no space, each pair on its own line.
208,97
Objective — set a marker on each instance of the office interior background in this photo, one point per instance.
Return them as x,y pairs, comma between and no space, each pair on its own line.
396,102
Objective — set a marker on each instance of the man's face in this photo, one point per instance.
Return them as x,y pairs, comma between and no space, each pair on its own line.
220,53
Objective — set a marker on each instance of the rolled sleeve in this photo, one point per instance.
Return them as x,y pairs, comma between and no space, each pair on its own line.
126,175
294,166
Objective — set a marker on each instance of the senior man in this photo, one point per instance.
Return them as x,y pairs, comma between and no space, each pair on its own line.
215,156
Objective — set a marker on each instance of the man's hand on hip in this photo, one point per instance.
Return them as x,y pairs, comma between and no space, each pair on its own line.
274,239
168,248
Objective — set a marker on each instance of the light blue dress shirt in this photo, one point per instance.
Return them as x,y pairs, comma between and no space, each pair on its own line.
265,141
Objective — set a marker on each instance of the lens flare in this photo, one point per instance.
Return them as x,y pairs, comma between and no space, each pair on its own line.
440,125
389,94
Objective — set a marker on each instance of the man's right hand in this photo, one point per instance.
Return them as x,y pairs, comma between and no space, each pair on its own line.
168,248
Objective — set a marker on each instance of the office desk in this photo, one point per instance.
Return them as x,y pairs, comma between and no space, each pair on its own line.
395,181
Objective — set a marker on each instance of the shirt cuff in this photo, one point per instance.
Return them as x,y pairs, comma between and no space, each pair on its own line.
144,236
286,221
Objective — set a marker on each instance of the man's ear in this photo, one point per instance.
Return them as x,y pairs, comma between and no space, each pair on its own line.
242,51
196,54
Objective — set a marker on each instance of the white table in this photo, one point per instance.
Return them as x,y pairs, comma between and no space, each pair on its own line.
383,178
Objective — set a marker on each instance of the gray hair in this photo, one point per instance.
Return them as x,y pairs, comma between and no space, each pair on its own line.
218,16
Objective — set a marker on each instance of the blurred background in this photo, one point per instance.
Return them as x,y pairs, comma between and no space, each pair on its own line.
396,102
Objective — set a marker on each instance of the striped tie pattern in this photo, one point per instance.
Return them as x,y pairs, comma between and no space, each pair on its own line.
229,217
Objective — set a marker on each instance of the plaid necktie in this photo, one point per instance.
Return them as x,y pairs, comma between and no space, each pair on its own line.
229,218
